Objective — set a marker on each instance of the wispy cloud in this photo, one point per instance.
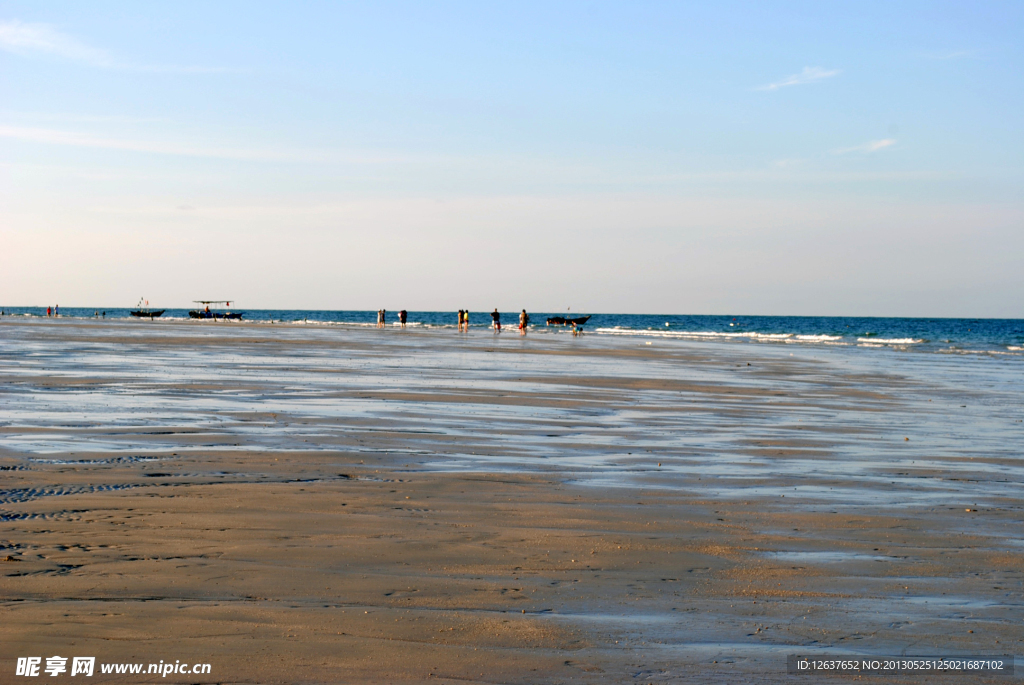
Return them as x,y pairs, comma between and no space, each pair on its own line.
281,154
79,118
873,146
26,39
955,54
56,137
34,39
808,75
175,69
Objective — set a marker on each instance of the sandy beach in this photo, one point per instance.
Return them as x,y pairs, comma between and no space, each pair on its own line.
302,504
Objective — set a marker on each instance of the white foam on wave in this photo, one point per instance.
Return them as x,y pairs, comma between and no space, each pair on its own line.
719,335
819,338
891,341
708,335
1014,348
314,322
357,324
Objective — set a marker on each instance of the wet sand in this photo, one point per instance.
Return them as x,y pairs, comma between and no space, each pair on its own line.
319,504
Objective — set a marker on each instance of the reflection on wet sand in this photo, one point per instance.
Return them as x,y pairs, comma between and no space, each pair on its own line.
352,504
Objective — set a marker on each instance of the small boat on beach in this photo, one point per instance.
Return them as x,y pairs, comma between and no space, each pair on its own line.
146,311
564,321
207,313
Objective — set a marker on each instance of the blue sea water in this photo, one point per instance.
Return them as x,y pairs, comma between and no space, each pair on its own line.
1004,337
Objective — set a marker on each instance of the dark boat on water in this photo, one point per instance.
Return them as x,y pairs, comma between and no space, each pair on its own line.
146,311
207,313
564,321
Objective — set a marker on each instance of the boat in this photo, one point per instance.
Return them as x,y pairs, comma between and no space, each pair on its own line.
564,321
145,310
207,313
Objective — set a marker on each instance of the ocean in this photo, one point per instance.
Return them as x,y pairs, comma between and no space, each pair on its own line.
1002,337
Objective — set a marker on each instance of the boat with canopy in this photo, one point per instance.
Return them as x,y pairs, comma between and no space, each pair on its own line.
207,313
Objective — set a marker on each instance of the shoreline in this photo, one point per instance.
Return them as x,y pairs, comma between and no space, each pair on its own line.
1003,338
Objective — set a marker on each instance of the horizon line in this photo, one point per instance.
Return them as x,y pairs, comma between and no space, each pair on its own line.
540,311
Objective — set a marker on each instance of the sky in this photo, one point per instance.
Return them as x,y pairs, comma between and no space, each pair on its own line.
805,158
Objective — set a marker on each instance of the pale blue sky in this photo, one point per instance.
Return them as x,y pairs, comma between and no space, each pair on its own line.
762,158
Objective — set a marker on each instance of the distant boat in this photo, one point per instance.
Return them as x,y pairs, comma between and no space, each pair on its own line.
207,313
563,321
146,311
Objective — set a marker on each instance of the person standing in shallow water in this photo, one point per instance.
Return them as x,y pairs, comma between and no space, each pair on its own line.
524,321
402,316
465,320
496,316
460,321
